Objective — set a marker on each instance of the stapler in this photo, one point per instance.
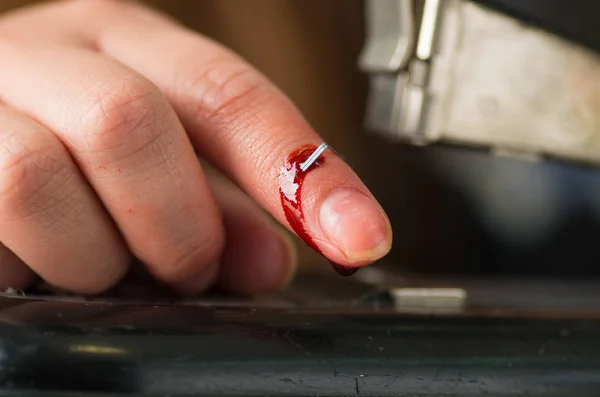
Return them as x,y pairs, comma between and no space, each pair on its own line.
518,78
463,73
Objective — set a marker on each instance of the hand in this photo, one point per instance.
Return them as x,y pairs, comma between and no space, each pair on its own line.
103,106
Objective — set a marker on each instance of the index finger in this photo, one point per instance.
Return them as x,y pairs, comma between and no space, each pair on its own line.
241,123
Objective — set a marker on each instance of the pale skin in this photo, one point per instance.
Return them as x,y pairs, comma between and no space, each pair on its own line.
104,106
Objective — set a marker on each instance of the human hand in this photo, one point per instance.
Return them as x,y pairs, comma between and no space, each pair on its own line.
103,106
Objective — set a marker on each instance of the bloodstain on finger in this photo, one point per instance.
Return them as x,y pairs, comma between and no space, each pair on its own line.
291,179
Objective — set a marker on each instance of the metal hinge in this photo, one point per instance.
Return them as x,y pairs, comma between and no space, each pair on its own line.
456,72
401,36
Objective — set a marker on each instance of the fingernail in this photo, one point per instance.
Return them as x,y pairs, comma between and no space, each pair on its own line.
356,224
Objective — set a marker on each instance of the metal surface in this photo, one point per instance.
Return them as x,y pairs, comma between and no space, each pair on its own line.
175,351
491,82
391,27
324,337
434,300
397,95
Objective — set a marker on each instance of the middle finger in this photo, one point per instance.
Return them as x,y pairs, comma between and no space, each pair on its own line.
49,217
128,142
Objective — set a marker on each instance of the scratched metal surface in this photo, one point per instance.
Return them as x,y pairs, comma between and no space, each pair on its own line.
305,342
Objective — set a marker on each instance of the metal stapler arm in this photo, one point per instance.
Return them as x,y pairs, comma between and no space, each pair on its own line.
457,72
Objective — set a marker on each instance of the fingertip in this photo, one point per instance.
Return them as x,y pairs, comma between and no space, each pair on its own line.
341,218
199,282
356,225
263,260
259,254
108,274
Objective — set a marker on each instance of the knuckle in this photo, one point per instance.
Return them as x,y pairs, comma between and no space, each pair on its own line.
26,168
232,97
227,88
120,115
266,153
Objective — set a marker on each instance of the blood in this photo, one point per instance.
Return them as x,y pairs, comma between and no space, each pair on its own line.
292,206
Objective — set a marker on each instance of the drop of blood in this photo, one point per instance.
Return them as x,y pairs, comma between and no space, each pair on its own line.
291,180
